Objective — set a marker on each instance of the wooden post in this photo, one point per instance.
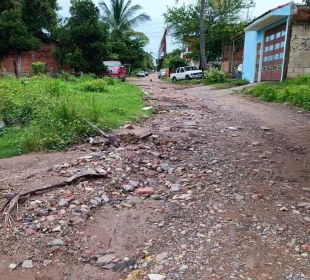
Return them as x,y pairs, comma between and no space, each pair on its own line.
15,69
230,54
233,58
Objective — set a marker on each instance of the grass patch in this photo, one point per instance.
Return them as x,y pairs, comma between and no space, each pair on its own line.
228,84
295,92
43,113
224,84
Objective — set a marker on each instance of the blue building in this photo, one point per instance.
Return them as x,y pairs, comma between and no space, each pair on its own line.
267,45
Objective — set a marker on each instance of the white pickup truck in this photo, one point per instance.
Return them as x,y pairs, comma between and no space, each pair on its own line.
186,73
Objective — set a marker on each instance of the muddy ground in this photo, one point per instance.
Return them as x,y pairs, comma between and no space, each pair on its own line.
221,190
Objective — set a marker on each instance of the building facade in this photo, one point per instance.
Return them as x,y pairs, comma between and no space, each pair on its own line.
277,45
20,63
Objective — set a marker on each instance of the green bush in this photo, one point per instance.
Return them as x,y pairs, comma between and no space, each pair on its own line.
215,76
38,68
47,113
99,85
295,91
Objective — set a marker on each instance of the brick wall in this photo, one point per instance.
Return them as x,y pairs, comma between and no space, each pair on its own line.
238,58
27,58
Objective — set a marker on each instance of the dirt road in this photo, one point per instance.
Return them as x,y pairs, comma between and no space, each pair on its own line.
221,190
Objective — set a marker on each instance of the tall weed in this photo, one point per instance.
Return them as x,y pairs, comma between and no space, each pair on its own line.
50,114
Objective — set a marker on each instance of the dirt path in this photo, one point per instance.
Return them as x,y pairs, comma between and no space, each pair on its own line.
227,184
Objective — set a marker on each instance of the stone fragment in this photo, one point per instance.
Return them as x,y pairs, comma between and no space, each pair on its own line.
56,242
191,124
105,198
128,188
12,266
161,257
56,229
175,188
27,264
63,202
105,259
156,277
307,219
144,191
257,196
128,126
303,204
94,202
238,196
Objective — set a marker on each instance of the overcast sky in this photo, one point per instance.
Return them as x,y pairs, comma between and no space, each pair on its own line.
155,8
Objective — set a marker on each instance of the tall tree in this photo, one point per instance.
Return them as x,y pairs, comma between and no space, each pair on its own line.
83,38
203,59
223,20
20,22
307,2
122,15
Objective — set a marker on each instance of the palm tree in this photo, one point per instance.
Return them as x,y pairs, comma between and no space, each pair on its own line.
122,15
203,59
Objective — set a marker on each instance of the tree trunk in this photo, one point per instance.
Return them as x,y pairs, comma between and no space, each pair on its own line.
203,58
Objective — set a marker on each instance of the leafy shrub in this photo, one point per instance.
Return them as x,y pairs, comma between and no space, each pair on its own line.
99,85
66,76
295,91
174,62
215,76
46,113
38,68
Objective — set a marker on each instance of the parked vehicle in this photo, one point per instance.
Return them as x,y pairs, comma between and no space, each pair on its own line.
146,73
115,69
141,74
186,73
161,73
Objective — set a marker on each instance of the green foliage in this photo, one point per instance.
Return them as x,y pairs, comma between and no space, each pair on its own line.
174,62
223,21
124,43
94,86
215,76
83,38
295,91
38,68
122,16
20,21
45,113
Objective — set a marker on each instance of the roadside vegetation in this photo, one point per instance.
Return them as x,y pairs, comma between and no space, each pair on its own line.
43,113
215,78
295,92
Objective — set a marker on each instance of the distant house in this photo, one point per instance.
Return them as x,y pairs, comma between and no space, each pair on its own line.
22,62
188,42
277,44
232,58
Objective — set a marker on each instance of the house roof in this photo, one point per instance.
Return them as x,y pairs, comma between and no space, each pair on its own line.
270,15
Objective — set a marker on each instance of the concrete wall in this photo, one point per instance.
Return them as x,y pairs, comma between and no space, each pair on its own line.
299,55
248,68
